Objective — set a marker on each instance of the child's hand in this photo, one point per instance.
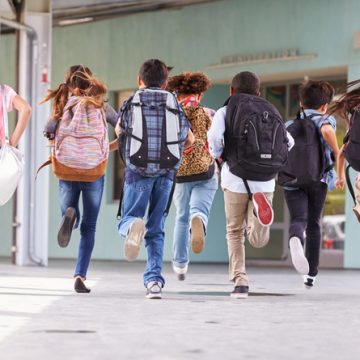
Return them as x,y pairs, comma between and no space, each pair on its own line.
340,183
118,129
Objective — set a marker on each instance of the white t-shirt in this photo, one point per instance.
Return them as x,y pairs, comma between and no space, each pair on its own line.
10,95
230,181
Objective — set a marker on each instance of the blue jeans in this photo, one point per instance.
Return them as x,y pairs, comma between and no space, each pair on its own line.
69,192
150,193
190,199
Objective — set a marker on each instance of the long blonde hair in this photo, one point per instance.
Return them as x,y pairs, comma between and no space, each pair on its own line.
79,81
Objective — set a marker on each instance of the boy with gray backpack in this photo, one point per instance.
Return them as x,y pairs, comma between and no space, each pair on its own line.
153,131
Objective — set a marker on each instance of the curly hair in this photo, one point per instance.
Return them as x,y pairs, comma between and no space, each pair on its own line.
189,83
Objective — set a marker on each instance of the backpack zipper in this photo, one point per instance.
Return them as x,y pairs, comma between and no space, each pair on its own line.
256,136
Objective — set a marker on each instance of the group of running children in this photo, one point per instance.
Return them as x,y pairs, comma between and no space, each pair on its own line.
175,149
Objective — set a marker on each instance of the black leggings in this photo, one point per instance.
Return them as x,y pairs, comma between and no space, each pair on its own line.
306,206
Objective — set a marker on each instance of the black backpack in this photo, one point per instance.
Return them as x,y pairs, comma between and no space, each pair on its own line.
352,141
306,163
352,149
256,143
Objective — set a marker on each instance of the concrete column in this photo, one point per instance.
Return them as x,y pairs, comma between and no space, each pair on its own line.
352,227
33,196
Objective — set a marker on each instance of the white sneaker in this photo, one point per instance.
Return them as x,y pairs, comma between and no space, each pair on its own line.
134,239
298,257
309,281
181,272
153,290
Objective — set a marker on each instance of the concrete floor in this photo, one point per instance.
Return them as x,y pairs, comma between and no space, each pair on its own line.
42,318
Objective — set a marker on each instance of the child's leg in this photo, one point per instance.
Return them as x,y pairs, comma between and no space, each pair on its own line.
154,239
258,234
297,202
202,197
181,199
91,196
356,208
236,205
317,195
134,204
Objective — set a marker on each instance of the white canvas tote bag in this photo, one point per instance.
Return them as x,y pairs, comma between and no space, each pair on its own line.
11,160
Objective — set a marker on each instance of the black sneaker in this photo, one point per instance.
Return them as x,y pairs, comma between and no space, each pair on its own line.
153,290
66,227
240,292
80,287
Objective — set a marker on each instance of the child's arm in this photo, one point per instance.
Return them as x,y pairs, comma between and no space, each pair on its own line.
113,146
340,161
24,110
329,135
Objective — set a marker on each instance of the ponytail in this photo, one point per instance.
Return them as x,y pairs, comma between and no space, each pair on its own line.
60,97
348,102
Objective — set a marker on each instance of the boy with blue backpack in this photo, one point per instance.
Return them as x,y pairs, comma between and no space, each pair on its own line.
153,131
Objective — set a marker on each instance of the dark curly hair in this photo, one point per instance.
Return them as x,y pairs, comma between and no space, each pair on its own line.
189,83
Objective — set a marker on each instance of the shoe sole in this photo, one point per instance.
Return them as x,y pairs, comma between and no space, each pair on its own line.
136,234
239,296
66,227
80,287
197,235
265,213
181,277
154,296
298,258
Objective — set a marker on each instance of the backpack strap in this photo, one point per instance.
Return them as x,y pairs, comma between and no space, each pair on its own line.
247,188
349,184
46,163
167,209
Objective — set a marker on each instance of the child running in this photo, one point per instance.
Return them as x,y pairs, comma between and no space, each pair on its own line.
81,148
197,178
154,131
240,136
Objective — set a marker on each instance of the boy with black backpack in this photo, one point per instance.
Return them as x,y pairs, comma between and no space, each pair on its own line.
309,175
249,135
154,132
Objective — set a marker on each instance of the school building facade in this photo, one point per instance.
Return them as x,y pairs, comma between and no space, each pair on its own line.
284,41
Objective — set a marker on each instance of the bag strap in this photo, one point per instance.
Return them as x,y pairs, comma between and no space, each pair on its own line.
5,115
349,184
247,188
46,163
166,212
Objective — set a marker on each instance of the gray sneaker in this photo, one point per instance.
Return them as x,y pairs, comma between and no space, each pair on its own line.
153,290
134,239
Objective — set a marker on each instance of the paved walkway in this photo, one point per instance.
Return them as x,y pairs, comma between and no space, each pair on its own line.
42,318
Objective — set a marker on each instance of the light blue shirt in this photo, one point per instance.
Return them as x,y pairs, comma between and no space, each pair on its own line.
320,120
